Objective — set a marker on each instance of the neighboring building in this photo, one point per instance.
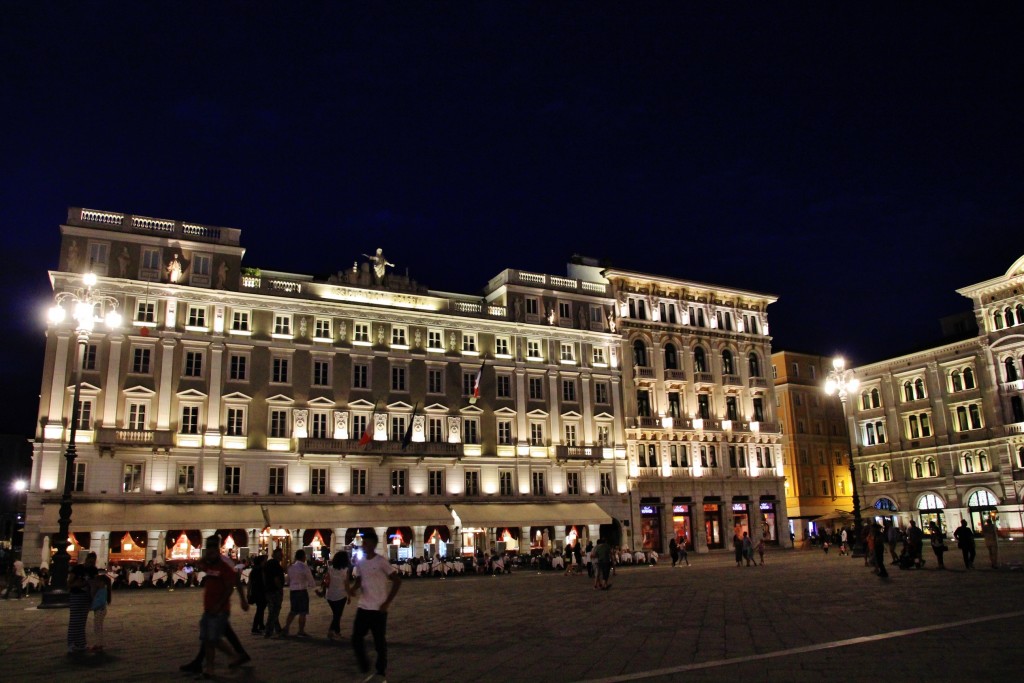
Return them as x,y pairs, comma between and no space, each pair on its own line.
941,431
704,445
285,410
816,445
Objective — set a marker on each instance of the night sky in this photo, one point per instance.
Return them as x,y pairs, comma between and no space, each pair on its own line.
859,163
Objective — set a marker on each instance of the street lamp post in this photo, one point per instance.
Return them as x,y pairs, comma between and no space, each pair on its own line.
83,303
841,381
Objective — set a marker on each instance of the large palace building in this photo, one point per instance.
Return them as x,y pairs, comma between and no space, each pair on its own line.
940,432
287,410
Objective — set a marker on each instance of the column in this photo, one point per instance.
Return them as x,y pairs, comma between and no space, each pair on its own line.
99,543
111,386
206,533
658,394
594,532
418,542
522,426
559,537
554,406
163,410
44,558
58,386
337,540
618,437
588,412
154,544
216,372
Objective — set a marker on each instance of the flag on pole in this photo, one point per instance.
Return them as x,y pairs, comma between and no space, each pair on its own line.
476,383
367,436
407,439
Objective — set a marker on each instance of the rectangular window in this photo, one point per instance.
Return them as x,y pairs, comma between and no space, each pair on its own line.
569,390
232,479
469,342
190,419
201,265
435,430
98,252
533,349
279,423
197,316
704,406
398,423
572,483
570,434
435,381
398,336
536,385
279,370
78,479
236,422
501,346
359,425
435,339
435,483
360,376
504,386
398,482
601,392
186,478
565,310
537,481
152,264
322,328
83,414
532,306
318,481
321,373
275,485
606,483
470,430
505,483
89,359
567,352
603,435
193,364
318,425
504,432
145,311
398,379
238,367
358,482
599,357
282,324
140,360
361,333
468,380
240,321
472,483
536,433
132,478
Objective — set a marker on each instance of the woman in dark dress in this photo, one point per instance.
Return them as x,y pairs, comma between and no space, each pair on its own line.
257,593
79,601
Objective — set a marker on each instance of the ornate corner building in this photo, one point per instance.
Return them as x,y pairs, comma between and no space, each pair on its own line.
283,409
940,432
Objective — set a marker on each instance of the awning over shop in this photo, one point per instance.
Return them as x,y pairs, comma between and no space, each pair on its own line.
554,514
107,516
837,515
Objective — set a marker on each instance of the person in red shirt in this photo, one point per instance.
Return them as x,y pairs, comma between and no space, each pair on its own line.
221,580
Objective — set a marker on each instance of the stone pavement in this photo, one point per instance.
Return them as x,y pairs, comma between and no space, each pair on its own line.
786,621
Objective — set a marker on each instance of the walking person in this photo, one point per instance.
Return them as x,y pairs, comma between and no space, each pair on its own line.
79,602
273,586
589,553
988,532
256,594
220,582
843,538
964,536
938,543
760,550
101,597
915,543
673,551
603,555
300,580
893,536
371,576
683,555
748,549
336,582
16,580
878,547
737,547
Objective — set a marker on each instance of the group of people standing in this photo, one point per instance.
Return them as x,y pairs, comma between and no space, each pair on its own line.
743,547
906,547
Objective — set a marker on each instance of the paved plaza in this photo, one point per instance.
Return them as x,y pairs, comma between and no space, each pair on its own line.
802,617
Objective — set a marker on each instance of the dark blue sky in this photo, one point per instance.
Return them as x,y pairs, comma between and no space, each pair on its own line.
860,163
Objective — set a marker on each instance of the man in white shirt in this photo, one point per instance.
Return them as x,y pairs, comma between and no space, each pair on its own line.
372,575
300,580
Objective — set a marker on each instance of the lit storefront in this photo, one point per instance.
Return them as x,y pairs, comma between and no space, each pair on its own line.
931,508
769,520
713,523
650,526
682,522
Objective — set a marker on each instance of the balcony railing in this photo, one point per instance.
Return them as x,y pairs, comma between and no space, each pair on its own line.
678,375
579,452
162,227
648,422
150,438
352,446
757,383
643,372
732,380
703,378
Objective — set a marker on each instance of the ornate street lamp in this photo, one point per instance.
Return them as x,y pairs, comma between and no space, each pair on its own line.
842,382
84,304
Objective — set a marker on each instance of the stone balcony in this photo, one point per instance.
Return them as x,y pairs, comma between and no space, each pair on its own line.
353,447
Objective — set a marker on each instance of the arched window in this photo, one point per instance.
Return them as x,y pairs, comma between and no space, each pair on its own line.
926,427
703,456
754,365
908,391
968,463
961,419
1008,313
671,357
874,474
768,457
982,461
869,430
919,387
885,504
876,400
700,361
997,319
915,430
865,401
968,378
886,475
982,498
975,416
880,431
958,384
1018,408
1020,314
930,501
727,364
1011,369
918,469
932,472
639,354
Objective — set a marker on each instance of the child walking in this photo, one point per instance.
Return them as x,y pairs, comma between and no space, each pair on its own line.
102,595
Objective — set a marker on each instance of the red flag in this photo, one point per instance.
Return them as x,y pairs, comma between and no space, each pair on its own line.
368,434
476,382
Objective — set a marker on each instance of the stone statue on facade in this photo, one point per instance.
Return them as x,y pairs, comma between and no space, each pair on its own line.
174,270
380,265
